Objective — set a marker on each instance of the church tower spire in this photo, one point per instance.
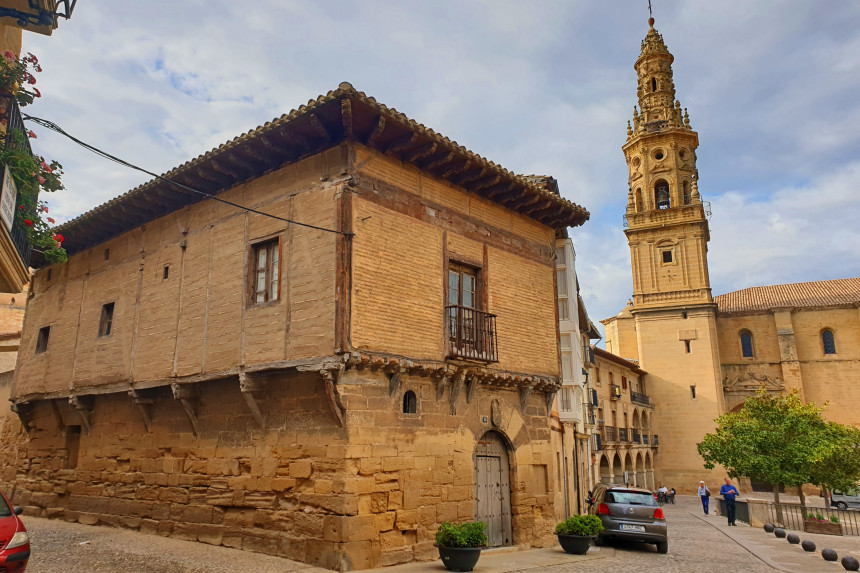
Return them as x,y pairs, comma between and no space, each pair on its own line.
666,218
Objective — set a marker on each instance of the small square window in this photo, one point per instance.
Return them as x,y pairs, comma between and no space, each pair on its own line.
667,256
265,280
42,340
106,321
107,254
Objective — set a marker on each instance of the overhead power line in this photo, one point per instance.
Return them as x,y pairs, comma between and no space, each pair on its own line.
56,128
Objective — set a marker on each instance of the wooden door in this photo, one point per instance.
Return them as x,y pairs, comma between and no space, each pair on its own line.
493,489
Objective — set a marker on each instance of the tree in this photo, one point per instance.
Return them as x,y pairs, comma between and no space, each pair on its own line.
783,441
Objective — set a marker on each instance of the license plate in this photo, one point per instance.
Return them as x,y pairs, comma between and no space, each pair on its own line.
640,528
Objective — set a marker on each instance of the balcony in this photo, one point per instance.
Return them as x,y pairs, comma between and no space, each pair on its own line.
644,439
615,392
611,435
38,16
655,441
471,334
640,398
14,246
588,356
623,436
636,437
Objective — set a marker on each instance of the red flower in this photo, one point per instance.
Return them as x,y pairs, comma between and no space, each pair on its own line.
44,208
33,58
28,222
9,55
37,92
31,79
41,180
59,238
31,134
21,207
51,221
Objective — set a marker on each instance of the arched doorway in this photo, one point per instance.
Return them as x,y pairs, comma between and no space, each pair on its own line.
629,470
493,488
605,472
641,480
617,469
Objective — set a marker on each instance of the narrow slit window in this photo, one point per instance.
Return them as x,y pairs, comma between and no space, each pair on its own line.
653,84
107,254
166,272
693,391
687,346
42,339
106,322
410,403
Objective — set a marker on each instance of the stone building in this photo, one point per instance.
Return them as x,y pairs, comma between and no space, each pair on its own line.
704,355
326,383
625,415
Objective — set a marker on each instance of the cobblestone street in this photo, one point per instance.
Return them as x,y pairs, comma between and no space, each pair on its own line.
696,543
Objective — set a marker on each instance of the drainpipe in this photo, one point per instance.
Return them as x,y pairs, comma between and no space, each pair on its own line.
564,473
576,469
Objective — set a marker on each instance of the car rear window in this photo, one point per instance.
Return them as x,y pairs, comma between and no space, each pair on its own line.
630,497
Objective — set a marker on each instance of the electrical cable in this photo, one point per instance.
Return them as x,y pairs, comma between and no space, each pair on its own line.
56,128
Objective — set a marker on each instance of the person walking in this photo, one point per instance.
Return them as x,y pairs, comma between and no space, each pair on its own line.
705,495
729,493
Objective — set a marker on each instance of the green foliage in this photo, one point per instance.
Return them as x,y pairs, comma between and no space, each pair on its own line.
819,516
580,525
810,516
33,174
16,76
783,440
834,519
469,534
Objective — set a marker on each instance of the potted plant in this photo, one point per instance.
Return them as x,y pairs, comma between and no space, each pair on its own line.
460,544
576,533
818,524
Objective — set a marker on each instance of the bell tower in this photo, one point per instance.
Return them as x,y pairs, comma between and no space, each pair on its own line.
666,218
671,325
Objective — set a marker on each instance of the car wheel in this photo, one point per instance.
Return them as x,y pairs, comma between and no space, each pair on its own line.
662,547
600,541
841,505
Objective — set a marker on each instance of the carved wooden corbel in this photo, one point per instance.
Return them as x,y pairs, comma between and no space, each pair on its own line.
24,411
252,386
330,378
187,396
549,397
525,392
440,380
456,387
394,383
58,418
84,405
144,406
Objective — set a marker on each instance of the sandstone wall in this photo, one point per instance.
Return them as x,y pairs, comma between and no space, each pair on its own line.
195,322
367,495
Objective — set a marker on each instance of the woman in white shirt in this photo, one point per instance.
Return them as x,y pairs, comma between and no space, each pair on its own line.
704,494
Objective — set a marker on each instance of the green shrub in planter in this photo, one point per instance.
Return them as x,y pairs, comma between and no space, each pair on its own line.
469,534
584,525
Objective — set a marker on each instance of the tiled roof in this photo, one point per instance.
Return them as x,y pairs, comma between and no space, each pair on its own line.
798,295
344,114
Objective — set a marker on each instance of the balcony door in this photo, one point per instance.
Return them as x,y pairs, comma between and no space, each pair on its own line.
462,304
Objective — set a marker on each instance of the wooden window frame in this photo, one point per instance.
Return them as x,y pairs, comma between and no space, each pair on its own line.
273,269
106,320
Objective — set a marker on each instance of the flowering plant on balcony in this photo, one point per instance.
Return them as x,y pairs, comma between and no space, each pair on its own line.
16,77
33,174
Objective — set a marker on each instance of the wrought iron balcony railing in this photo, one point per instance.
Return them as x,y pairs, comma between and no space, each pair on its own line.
640,398
611,434
636,437
471,334
10,111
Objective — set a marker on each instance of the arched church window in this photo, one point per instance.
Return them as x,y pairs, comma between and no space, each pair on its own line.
653,84
661,194
747,344
828,341
410,403
687,193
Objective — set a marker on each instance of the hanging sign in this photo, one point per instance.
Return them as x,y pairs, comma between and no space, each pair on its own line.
8,197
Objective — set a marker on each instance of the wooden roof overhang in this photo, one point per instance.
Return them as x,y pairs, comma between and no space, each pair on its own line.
344,114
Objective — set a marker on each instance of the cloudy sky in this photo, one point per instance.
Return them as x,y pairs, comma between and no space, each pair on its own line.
543,86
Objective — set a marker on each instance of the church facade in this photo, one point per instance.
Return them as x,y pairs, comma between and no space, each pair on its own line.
705,354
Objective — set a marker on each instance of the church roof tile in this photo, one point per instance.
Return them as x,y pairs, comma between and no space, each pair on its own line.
837,292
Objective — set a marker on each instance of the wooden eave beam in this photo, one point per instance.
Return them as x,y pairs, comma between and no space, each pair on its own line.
346,115
299,141
468,178
447,158
219,166
242,160
455,169
376,133
319,128
486,183
401,143
421,151
500,190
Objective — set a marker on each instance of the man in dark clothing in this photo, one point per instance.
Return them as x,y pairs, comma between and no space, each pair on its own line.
729,493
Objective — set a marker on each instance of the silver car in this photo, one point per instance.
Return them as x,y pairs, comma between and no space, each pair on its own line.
631,514
845,499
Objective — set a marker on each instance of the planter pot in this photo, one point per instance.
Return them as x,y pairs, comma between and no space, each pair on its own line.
459,558
576,544
824,527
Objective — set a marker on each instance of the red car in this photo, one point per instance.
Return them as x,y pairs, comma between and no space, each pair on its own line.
14,541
